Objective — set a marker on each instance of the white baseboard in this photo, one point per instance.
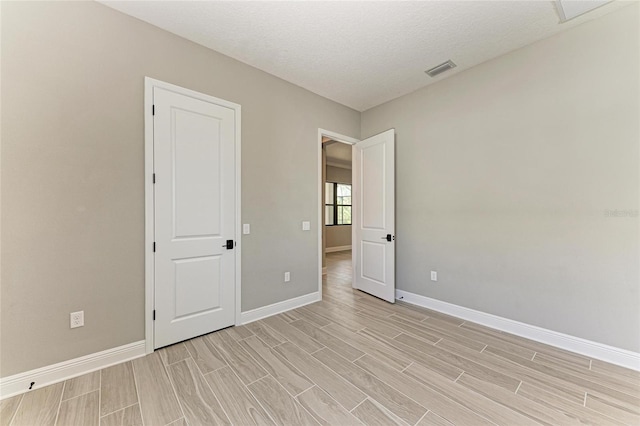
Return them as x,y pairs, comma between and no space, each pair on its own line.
277,308
579,345
337,248
20,383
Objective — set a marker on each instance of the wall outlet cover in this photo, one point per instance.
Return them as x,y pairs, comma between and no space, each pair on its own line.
76,319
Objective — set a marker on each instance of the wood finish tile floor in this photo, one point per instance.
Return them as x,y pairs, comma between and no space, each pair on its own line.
350,359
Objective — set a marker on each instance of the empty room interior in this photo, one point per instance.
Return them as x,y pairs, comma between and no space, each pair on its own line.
343,213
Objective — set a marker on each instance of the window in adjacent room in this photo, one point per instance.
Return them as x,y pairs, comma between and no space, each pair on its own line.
337,204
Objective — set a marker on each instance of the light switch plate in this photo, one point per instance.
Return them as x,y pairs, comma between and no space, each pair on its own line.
306,225
246,229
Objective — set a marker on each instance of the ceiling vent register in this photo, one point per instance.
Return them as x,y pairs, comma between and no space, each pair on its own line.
439,69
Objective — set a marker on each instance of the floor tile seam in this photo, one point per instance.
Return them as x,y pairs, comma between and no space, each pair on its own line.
360,357
15,412
467,358
169,364
510,407
135,383
530,345
577,371
477,395
120,409
255,398
321,363
359,404
381,380
451,335
281,359
423,416
518,388
427,355
368,353
313,384
295,398
64,384
331,397
246,388
81,394
100,394
289,340
175,392
577,387
213,393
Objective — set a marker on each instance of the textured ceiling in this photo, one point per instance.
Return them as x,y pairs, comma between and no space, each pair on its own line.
359,53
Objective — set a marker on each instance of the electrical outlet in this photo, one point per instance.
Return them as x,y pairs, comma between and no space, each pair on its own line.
434,276
287,277
76,319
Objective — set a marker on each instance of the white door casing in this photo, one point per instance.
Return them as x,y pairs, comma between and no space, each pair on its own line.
195,212
374,215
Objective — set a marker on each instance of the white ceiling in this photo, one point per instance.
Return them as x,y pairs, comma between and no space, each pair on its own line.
358,53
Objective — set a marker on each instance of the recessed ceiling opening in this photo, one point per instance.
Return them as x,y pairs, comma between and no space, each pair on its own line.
439,69
574,8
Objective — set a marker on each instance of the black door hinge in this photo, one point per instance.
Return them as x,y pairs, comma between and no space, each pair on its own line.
154,178
154,246
154,314
153,110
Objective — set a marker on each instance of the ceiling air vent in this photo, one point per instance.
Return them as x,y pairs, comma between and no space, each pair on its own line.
439,69
571,9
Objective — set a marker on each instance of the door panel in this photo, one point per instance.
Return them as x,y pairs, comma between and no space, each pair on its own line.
372,160
196,285
196,146
374,215
194,163
372,263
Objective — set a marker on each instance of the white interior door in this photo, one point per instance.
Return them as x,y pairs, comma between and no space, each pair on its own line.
194,191
374,215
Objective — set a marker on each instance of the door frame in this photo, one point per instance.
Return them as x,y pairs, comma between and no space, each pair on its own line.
339,138
149,205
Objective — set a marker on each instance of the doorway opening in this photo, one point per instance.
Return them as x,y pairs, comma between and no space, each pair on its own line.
368,204
334,212
337,269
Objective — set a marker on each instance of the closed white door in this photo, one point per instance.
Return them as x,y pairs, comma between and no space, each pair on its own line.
194,190
374,215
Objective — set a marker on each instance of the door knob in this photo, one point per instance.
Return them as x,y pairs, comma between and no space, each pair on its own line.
389,237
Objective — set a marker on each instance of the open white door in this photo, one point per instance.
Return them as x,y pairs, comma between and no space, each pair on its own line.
194,139
374,216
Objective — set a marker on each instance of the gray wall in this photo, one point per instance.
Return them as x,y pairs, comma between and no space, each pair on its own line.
505,173
72,174
338,236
